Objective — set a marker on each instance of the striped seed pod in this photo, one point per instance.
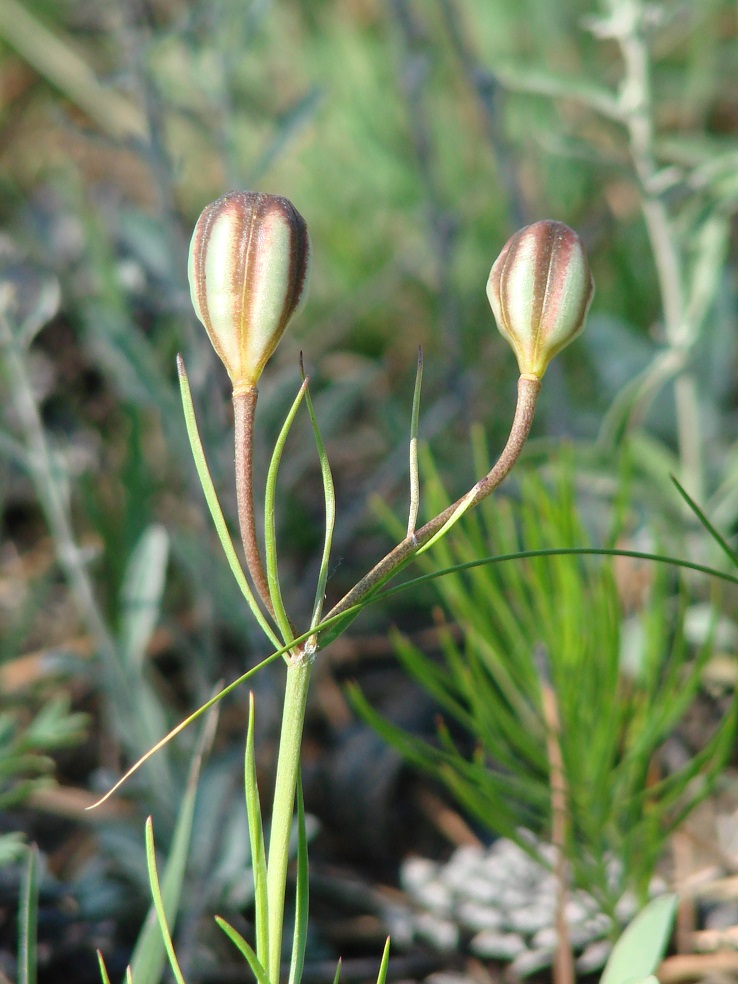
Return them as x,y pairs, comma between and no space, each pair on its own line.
540,289
248,270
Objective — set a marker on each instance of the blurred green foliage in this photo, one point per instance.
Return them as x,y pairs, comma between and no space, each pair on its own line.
602,639
414,137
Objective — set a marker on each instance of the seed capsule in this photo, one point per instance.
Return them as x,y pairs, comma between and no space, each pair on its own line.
248,270
540,289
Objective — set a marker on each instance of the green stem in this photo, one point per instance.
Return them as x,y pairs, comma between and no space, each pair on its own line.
638,112
288,765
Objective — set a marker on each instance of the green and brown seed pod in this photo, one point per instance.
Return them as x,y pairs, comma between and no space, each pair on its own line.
540,289
248,270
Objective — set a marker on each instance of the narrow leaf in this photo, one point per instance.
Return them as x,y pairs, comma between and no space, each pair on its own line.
211,498
256,839
28,920
159,902
717,537
141,593
103,968
330,512
382,975
235,937
299,942
149,956
414,422
270,531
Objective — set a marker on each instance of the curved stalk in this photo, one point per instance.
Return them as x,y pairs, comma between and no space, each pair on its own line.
528,390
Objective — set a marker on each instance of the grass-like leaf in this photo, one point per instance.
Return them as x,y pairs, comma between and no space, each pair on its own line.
211,497
299,940
487,684
149,955
245,949
141,593
256,839
384,965
103,969
270,529
159,906
330,511
28,920
414,423
717,537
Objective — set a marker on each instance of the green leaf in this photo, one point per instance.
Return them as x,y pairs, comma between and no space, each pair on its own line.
149,956
253,961
141,593
414,422
256,839
717,537
330,512
159,904
28,920
384,965
640,949
211,497
299,941
537,81
270,529
103,968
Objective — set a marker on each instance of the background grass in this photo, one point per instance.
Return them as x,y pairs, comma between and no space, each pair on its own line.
415,138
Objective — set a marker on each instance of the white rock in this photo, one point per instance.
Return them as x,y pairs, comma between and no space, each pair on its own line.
416,872
597,925
475,916
594,957
545,939
448,977
434,896
530,919
530,962
440,933
497,946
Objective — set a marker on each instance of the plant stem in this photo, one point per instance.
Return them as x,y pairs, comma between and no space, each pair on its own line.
244,409
528,389
288,765
637,114
563,968
46,478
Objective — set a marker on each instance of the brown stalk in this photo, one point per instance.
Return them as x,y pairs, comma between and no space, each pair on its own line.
244,409
528,389
563,968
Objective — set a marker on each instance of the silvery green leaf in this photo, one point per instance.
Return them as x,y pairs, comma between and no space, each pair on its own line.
29,298
640,949
142,591
525,78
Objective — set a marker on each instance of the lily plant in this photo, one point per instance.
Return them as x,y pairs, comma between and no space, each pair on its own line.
248,269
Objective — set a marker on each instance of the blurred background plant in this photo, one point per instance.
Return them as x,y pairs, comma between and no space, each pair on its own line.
414,138
574,651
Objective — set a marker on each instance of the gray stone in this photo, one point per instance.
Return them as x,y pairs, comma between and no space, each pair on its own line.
497,946
416,872
531,962
594,957
440,933
475,916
